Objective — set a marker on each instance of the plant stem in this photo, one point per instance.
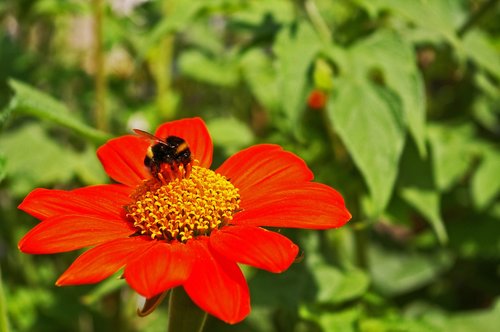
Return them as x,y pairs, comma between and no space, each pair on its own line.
183,314
100,115
318,21
476,16
361,243
160,62
4,321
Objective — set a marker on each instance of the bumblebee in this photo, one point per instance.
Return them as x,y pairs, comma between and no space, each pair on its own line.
167,159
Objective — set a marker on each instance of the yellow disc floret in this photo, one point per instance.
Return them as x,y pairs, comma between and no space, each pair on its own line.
184,207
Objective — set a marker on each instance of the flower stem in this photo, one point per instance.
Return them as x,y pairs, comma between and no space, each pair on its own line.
318,21
160,62
4,322
100,75
183,314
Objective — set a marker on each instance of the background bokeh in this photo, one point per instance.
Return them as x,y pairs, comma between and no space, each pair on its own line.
394,103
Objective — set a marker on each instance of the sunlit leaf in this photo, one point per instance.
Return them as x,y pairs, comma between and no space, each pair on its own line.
211,70
437,17
295,49
88,168
260,74
486,320
255,12
230,133
479,49
485,184
396,323
104,288
394,60
34,160
451,153
338,320
28,100
369,121
183,12
336,286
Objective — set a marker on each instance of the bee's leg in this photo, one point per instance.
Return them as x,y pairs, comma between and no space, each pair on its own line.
155,170
168,173
187,169
162,178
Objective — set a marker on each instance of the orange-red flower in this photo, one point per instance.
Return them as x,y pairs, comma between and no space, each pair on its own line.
317,99
191,231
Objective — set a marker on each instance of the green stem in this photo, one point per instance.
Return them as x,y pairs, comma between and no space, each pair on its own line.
361,243
318,21
4,322
476,16
100,75
183,314
160,61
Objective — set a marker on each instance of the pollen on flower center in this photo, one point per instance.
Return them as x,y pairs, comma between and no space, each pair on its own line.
184,208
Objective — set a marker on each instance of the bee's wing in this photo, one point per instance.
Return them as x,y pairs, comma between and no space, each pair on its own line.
148,136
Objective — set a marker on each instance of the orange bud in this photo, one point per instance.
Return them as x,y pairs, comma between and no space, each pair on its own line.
317,99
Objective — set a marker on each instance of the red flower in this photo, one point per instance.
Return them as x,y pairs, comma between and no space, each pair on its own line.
190,231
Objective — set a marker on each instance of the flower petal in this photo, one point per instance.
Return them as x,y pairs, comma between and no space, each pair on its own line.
159,268
123,159
255,246
195,133
310,205
262,168
217,285
102,261
107,200
70,232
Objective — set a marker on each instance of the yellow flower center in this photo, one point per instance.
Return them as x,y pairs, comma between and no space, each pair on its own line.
184,207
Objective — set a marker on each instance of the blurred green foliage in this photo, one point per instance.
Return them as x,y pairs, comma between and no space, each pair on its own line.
409,135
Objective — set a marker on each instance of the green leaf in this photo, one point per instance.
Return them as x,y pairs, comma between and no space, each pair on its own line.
485,184
254,12
417,188
474,236
230,134
396,324
295,48
479,320
481,50
103,289
398,272
260,74
273,290
368,119
395,59
28,100
451,153
436,17
332,284
427,202
336,286
4,319
88,168
340,320
34,160
182,14
2,167
213,70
